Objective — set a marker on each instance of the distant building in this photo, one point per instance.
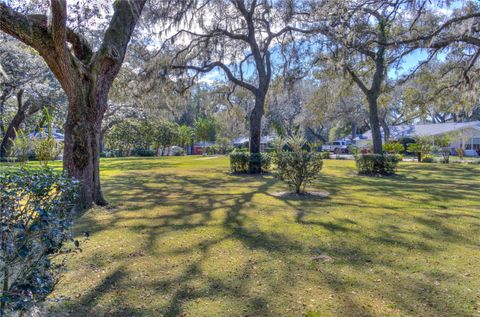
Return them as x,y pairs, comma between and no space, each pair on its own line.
57,135
465,135
199,147
244,142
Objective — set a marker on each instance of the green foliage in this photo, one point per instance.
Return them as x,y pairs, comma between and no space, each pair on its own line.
352,149
165,134
35,218
376,164
184,135
421,147
298,167
46,148
143,152
325,155
22,146
393,147
205,129
123,137
428,159
240,161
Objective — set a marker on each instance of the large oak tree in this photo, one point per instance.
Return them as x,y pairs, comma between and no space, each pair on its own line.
84,74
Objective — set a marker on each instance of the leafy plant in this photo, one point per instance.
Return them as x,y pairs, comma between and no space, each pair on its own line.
428,159
36,213
376,164
239,161
22,146
393,147
421,147
46,149
296,166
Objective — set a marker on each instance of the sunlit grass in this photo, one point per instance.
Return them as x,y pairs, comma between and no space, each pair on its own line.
183,237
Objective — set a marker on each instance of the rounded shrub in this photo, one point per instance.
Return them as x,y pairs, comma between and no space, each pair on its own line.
376,164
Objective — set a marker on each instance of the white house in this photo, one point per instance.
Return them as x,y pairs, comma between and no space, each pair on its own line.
465,135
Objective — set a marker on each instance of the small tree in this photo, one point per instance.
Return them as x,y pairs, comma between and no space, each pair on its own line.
166,134
443,142
184,136
205,129
421,147
298,167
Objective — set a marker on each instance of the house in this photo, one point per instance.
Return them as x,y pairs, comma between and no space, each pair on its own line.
243,142
465,135
199,147
56,134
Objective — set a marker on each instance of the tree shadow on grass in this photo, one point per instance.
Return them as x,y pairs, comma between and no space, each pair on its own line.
188,203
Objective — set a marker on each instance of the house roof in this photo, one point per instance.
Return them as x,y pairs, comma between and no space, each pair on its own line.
410,131
58,136
264,139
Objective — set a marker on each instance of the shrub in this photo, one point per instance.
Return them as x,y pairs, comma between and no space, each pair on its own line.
353,150
393,147
428,159
46,149
325,155
240,161
36,209
298,167
376,164
22,146
179,152
143,152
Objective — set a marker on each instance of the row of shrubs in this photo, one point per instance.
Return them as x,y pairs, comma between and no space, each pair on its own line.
240,161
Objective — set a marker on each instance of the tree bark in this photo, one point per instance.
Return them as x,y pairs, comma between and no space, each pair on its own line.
255,166
85,76
386,130
23,111
375,124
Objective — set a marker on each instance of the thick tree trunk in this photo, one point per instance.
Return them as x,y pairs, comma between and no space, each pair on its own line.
10,133
82,141
375,124
354,130
255,166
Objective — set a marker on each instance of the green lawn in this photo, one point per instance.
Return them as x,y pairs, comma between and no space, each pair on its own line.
183,237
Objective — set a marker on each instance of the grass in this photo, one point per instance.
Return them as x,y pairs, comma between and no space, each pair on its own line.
183,237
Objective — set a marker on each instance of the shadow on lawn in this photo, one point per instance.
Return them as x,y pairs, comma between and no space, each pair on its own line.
190,202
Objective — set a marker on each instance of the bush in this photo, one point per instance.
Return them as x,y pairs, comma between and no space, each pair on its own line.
298,167
36,209
393,147
179,152
376,164
22,146
46,149
240,161
325,155
143,152
428,159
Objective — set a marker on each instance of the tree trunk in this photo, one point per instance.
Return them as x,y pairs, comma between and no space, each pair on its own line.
10,133
375,124
386,130
86,108
255,166
354,131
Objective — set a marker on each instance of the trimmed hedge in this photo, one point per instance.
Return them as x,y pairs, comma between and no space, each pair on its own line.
325,155
239,161
376,164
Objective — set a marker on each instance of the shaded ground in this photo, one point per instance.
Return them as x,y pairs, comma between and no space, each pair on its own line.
185,238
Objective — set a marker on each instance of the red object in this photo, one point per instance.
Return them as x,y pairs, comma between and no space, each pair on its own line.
197,150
